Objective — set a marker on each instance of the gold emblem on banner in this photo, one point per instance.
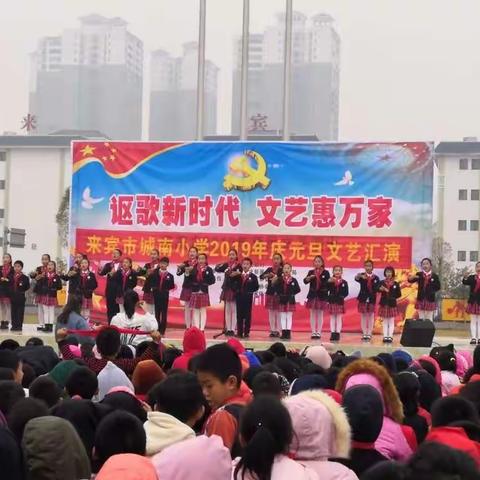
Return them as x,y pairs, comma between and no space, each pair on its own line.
246,172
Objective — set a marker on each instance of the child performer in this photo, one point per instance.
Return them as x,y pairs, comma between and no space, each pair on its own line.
149,271
6,281
473,306
110,269
244,285
72,276
389,293
49,285
317,297
185,269
125,279
337,292
203,277
228,294
164,283
286,288
21,283
271,298
37,275
367,298
86,286
428,286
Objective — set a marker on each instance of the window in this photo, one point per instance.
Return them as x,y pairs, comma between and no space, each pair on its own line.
3,156
474,256
462,256
474,225
462,225
475,195
463,194
463,164
2,184
475,163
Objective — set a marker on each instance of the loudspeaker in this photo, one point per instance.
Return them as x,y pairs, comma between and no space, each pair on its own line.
417,333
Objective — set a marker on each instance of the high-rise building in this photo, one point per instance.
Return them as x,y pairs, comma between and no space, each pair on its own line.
315,76
89,78
173,95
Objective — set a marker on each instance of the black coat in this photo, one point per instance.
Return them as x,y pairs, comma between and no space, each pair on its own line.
151,279
187,277
227,280
73,280
50,290
336,296
38,271
244,290
167,284
365,295
130,283
19,288
270,288
314,292
87,287
112,287
389,299
286,293
207,280
474,297
6,285
426,292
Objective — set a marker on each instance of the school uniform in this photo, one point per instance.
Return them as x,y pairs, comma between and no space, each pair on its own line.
244,286
228,294
41,270
202,278
186,291
428,286
367,299
148,271
388,307
271,301
72,279
49,285
87,284
124,280
337,292
5,293
473,305
317,296
108,270
21,283
163,283
286,288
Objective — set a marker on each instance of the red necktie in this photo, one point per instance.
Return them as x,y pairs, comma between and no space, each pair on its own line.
318,273
477,284
369,282
162,278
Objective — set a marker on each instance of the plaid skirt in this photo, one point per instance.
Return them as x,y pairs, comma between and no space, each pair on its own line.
364,307
425,306
387,312
185,294
473,308
271,302
148,298
316,304
336,309
288,307
87,304
227,295
5,300
199,300
48,301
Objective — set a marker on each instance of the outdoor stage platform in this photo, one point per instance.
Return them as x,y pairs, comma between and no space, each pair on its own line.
259,340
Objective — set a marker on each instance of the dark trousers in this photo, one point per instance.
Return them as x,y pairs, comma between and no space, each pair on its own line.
112,306
244,315
18,311
161,310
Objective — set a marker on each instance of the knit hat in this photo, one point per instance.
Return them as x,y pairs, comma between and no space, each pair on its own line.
319,356
61,371
111,376
127,466
364,408
308,382
146,375
402,359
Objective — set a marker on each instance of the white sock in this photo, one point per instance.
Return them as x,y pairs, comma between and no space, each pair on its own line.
231,315
283,320
313,321
428,315
50,315
421,314
272,320
474,321
195,317
203,317
370,323
388,327
188,316
41,320
288,320
364,323
339,323
334,323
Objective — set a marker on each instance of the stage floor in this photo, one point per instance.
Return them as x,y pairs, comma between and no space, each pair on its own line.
350,342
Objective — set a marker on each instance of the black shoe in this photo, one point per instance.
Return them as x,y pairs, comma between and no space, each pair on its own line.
276,334
332,337
385,339
364,338
246,335
3,325
289,334
48,328
473,341
40,328
272,335
335,337
313,336
284,335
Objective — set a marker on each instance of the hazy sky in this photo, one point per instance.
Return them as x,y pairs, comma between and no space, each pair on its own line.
410,69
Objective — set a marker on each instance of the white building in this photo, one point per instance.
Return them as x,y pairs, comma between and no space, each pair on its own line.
315,76
89,78
458,199
173,95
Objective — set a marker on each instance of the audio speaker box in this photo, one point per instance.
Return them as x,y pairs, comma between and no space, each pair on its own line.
417,333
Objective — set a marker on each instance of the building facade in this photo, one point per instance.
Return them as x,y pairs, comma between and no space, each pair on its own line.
315,76
173,95
458,199
89,78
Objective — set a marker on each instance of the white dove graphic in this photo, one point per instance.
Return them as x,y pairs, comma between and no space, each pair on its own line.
346,180
88,202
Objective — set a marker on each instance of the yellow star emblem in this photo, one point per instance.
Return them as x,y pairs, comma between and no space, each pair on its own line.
87,150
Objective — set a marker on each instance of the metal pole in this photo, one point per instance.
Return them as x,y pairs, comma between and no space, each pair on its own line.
287,67
244,72
201,69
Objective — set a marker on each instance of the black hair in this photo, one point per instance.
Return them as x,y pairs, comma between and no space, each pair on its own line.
193,248
10,393
155,250
168,357
430,390
221,361
9,359
250,374
471,391
234,251
127,402
29,375
46,389
289,369
247,259
118,250
130,300
447,361
141,347
310,368
34,342
389,269
408,387
447,410
22,412
321,258
179,395
203,254
276,254
9,344
74,304
18,262
429,260
164,260
386,469
266,383
7,373
9,256
83,382
368,260
129,259
278,349
476,365
47,255
266,429
118,432
108,341
125,352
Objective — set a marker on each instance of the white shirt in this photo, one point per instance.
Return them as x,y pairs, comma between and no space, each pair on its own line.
145,322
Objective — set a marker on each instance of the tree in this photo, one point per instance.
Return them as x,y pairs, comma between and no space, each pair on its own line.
62,218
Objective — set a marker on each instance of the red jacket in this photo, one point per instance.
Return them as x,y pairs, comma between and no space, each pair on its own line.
193,343
455,437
